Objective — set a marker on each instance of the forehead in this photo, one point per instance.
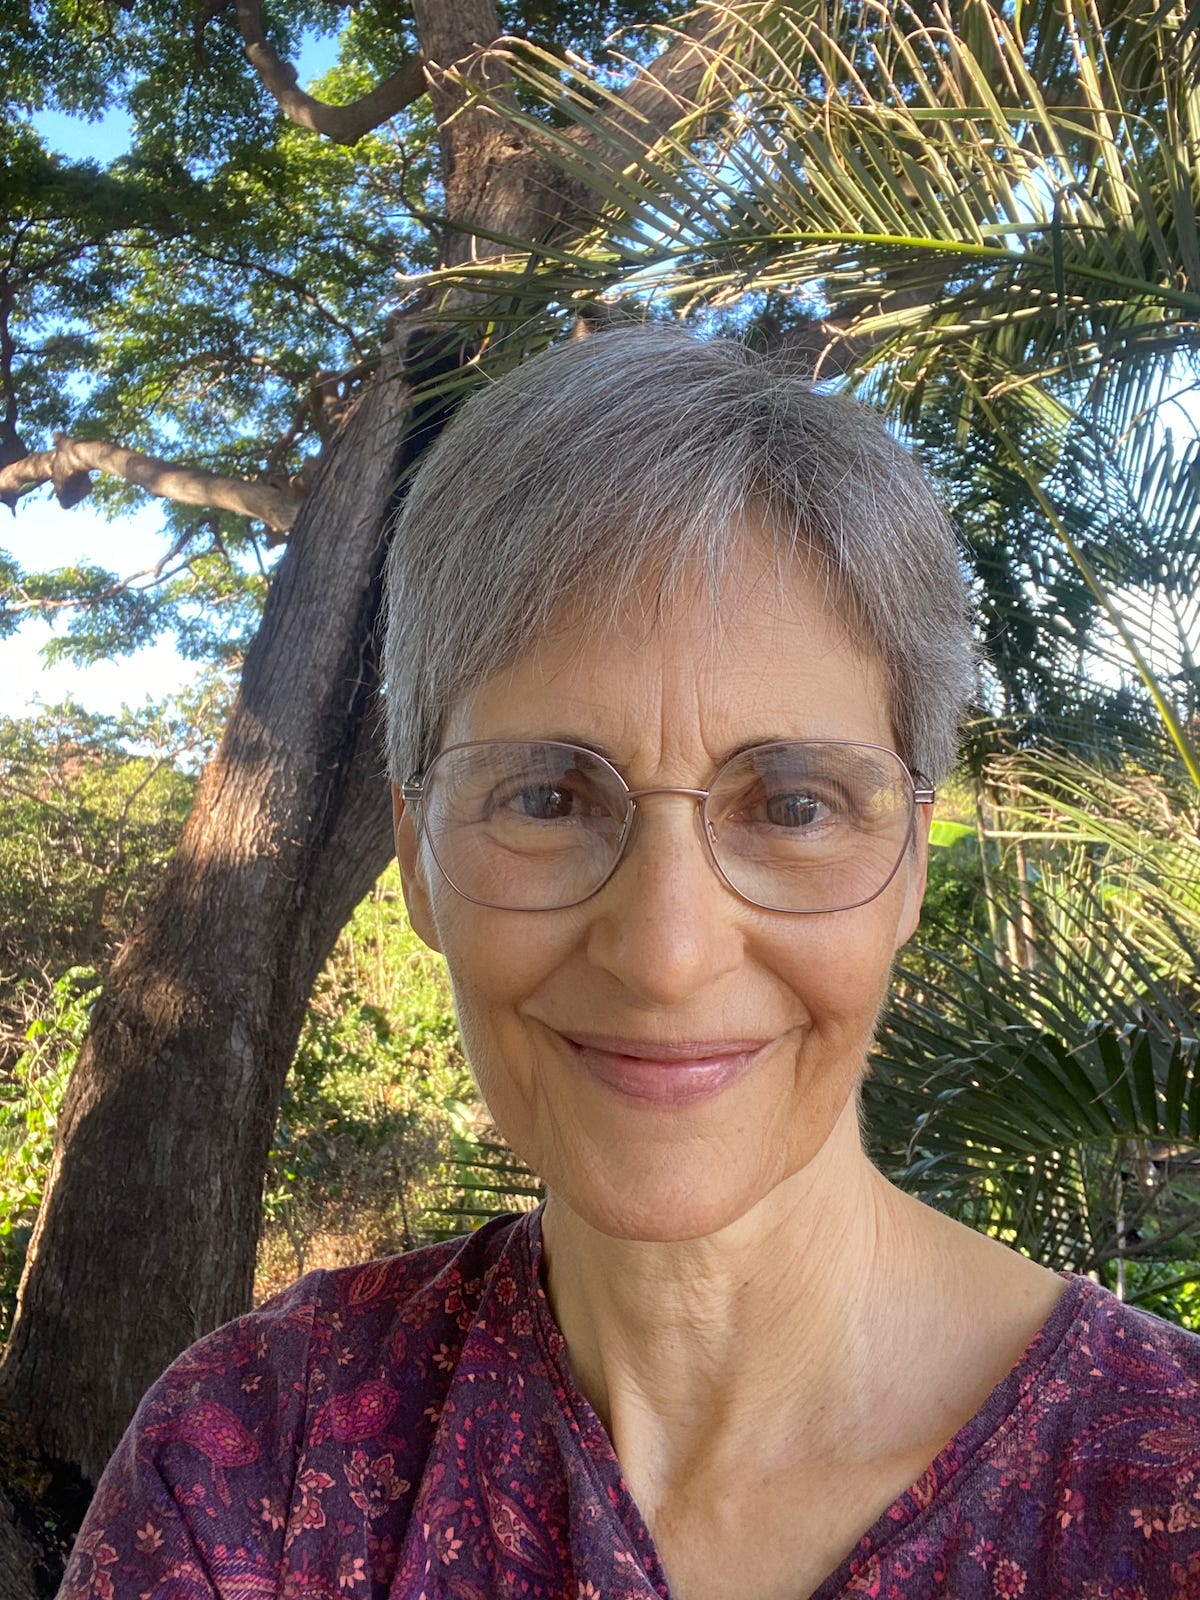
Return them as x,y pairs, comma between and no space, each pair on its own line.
692,673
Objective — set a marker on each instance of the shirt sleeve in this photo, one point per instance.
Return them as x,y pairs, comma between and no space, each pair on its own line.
194,1501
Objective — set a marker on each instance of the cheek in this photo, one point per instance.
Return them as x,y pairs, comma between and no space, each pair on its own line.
841,984
497,961
497,958
841,968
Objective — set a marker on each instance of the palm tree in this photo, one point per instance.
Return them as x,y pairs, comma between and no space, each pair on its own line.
1041,1078
990,229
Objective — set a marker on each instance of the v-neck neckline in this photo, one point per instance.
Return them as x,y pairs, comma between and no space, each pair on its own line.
998,1414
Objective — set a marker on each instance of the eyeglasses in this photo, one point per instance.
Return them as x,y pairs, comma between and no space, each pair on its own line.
805,825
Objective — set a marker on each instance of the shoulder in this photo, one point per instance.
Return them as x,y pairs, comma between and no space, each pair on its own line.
1111,1432
1131,1383
265,1412
1119,1351
1119,1421
410,1287
351,1307
1102,1412
1080,1477
1102,1369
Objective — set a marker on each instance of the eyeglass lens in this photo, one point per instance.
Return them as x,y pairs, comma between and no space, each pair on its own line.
804,825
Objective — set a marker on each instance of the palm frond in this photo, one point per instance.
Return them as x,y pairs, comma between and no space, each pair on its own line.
1047,1087
1003,210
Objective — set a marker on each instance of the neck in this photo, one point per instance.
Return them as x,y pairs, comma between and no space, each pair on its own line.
776,1323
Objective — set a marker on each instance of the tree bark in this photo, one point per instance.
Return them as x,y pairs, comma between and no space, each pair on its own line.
18,1558
70,464
342,124
146,1237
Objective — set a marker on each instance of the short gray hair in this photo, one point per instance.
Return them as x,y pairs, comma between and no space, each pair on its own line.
627,459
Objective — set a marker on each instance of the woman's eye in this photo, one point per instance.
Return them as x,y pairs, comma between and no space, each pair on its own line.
544,803
795,810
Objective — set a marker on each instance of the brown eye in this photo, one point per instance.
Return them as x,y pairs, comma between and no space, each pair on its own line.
558,797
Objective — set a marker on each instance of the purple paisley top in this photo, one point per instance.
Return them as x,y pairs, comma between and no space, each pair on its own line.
409,1430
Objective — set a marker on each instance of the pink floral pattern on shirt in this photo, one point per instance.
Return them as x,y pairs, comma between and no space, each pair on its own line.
408,1430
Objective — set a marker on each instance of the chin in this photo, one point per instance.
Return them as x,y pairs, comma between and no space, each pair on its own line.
679,1191
675,1208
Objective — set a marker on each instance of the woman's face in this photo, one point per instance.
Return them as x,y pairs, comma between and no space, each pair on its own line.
778,1009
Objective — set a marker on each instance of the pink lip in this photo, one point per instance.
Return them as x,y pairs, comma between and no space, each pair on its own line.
678,1074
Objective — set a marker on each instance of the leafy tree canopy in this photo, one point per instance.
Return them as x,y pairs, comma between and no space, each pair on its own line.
215,297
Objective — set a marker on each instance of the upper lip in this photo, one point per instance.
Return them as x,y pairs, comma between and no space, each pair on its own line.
660,1050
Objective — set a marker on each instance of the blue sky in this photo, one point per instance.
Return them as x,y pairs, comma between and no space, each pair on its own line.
40,535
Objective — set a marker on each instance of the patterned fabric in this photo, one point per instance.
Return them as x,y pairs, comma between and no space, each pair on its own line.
408,1430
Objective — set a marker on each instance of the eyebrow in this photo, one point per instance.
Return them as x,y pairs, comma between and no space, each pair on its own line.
580,744
606,755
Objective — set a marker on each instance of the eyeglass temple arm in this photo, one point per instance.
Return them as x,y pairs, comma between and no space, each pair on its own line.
412,790
924,792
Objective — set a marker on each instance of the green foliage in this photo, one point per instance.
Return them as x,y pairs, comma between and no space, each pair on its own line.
202,299
201,592
90,809
378,1102
30,1100
1040,1079
217,294
954,910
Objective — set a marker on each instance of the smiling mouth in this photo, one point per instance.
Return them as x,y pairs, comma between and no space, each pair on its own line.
655,1074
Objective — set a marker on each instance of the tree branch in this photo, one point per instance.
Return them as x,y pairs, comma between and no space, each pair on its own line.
343,124
12,446
69,465
692,71
552,197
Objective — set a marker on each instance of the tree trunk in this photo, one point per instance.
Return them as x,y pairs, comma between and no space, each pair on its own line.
147,1235
18,1558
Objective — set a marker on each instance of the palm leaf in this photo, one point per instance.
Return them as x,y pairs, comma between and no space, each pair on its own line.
1015,1093
1005,212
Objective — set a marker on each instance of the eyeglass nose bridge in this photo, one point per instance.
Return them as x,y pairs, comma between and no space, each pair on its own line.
640,794
632,796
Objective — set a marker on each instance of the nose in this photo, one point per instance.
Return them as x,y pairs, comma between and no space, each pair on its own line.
666,925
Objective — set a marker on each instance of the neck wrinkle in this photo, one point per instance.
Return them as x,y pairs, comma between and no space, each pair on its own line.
769,1330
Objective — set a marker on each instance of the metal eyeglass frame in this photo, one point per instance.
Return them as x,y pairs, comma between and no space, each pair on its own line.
920,789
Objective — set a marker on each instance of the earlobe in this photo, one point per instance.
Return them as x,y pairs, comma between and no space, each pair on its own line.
412,872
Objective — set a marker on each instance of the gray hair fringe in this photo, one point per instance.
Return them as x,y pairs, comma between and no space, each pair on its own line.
626,460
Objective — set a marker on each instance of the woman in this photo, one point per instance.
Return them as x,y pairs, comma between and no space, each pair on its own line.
676,647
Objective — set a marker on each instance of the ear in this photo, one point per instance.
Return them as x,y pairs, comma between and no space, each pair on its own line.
916,870
413,878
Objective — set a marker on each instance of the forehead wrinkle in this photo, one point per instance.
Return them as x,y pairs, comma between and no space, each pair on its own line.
679,687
